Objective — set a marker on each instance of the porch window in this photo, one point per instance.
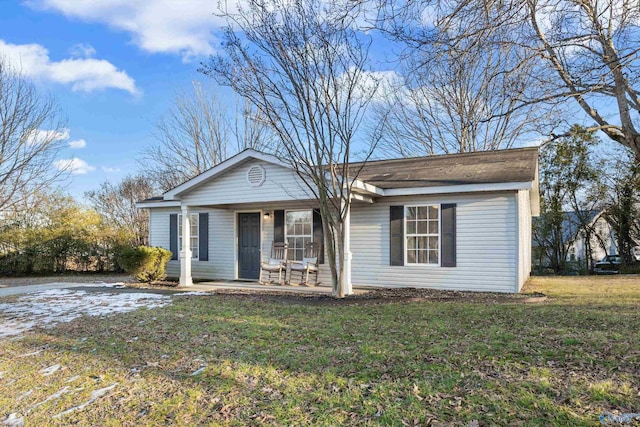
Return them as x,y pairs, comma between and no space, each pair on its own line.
422,225
298,232
194,234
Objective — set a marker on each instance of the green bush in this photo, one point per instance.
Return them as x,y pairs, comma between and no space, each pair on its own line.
631,268
146,264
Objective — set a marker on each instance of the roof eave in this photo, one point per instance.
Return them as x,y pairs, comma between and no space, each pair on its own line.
198,180
464,188
158,204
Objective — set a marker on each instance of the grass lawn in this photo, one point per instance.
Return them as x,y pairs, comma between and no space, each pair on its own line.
233,360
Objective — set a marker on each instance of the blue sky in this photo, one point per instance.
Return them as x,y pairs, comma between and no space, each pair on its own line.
113,66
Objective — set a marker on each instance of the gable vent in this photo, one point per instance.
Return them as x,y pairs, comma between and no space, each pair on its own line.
256,176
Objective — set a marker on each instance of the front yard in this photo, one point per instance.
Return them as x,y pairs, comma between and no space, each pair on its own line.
241,360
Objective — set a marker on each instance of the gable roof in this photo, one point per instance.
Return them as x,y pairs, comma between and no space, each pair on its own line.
488,167
438,173
571,222
218,169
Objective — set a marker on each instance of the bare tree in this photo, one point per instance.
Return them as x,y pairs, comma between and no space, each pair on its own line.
197,134
117,205
30,138
580,51
251,129
192,137
458,100
302,64
567,170
621,197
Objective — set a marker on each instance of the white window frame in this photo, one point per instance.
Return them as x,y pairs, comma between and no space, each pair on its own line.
406,208
286,235
195,255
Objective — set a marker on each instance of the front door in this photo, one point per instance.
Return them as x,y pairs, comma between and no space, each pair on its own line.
249,245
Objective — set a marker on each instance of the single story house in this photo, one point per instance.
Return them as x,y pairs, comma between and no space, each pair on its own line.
603,239
603,242
457,221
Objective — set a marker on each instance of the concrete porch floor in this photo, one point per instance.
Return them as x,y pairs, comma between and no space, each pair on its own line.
255,286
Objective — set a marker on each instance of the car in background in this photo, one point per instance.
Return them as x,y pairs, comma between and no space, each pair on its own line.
610,264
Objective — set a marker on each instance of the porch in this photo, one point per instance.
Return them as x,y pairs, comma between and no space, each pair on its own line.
237,238
236,285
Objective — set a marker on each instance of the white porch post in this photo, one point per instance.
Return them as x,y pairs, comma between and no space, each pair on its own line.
185,252
347,249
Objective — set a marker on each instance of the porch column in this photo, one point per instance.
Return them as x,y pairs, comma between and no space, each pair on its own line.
347,249
185,252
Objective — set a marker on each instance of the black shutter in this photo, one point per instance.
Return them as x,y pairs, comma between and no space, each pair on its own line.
448,229
318,234
203,238
396,232
173,235
278,226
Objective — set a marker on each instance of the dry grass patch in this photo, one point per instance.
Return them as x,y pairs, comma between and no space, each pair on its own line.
234,360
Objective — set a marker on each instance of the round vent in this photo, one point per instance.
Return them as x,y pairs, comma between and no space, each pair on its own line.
256,175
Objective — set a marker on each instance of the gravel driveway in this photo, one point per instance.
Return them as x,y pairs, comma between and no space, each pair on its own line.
8,282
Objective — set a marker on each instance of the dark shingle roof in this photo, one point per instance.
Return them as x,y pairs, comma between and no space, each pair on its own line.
153,199
571,222
486,167
513,165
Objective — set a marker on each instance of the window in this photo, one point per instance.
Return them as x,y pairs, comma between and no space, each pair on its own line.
298,232
194,234
422,225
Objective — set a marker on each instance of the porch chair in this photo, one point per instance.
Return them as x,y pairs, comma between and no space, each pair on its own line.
276,263
308,266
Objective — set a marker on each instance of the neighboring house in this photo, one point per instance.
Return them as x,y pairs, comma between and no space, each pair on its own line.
460,221
603,241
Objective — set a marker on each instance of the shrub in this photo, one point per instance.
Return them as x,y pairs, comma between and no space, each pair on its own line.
146,264
630,268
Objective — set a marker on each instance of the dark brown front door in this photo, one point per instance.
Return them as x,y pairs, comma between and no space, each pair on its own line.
248,245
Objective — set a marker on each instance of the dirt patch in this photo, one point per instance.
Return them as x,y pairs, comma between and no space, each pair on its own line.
382,296
10,282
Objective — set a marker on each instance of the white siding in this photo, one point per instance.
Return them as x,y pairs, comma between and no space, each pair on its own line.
606,237
524,240
486,245
159,227
324,277
281,184
221,239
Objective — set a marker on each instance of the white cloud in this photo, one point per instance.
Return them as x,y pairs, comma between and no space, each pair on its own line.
429,16
77,143
83,74
82,50
183,27
376,86
107,169
40,136
75,166
534,142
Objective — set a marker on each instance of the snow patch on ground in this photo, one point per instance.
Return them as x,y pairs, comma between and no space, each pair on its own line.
55,396
13,421
117,285
50,370
198,371
48,308
95,395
